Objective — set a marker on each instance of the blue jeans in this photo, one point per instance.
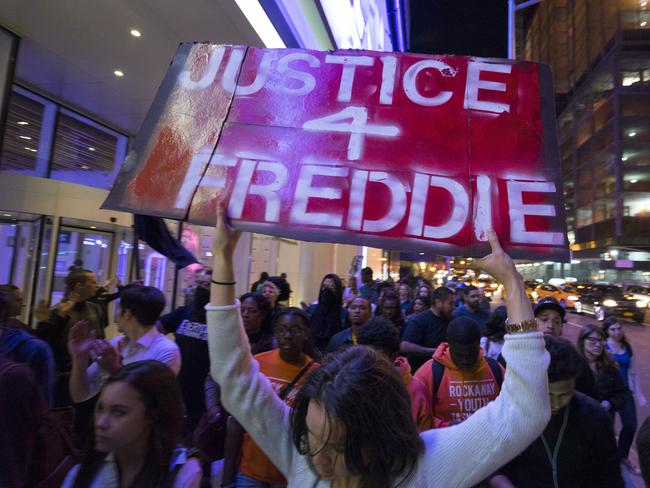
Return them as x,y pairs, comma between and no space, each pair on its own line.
628,429
243,481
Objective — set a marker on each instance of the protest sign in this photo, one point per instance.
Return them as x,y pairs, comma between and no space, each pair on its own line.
391,150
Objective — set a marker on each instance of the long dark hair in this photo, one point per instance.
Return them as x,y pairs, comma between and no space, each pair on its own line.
157,386
604,361
326,319
608,322
265,309
358,387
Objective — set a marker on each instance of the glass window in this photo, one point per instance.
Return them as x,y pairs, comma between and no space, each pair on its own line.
584,216
604,210
28,134
636,205
77,247
86,152
198,240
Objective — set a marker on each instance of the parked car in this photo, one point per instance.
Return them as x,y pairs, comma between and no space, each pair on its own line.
601,301
563,297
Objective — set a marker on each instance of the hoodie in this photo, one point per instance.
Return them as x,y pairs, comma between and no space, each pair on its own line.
460,393
420,398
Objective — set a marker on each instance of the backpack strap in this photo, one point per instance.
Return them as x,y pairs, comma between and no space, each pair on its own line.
496,370
438,371
287,389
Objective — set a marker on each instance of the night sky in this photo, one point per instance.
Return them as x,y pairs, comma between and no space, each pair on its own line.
470,27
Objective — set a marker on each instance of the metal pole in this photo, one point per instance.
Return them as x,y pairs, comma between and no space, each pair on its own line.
511,29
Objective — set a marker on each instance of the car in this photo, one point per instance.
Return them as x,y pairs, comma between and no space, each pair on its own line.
640,293
566,299
602,301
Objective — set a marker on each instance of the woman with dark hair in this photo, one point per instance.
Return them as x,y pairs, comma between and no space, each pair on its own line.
352,423
328,315
404,293
389,308
138,424
610,390
419,304
621,351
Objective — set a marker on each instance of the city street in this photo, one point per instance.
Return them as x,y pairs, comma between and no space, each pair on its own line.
639,336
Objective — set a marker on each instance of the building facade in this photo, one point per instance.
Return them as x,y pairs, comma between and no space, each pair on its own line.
600,54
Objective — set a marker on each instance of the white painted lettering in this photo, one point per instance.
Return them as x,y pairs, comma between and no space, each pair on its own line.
387,79
410,86
304,191
474,84
518,211
231,74
350,64
307,79
185,77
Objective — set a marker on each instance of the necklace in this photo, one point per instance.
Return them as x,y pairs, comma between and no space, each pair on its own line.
552,458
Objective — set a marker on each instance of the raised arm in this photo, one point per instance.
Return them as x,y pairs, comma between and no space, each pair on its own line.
245,392
496,433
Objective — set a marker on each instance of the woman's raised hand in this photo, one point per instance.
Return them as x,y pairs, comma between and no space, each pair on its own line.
498,264
226,237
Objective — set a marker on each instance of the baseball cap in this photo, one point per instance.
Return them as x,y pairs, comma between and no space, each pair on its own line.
549,303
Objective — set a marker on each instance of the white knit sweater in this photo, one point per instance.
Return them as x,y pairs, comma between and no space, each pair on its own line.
458,456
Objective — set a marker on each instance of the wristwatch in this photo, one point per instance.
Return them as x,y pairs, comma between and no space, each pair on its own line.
529,325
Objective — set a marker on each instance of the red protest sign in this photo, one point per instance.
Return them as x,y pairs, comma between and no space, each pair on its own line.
392,150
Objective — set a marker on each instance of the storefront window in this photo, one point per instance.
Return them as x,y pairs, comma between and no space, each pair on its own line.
86,152
28,134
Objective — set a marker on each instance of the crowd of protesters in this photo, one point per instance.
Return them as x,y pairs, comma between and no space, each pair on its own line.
374,384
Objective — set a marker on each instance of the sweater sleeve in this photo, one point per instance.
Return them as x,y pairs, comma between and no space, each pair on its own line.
245,392
498,432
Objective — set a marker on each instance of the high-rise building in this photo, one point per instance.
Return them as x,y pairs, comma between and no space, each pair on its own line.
599,51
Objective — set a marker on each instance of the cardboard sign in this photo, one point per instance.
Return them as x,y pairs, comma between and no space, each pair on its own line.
391,150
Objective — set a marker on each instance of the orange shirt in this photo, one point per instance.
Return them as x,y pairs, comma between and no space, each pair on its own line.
254,462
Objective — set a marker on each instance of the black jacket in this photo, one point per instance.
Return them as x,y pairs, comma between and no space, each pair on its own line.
610,386
587,457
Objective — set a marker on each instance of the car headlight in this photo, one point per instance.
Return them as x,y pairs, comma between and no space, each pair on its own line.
534,295
641,304
610,303
572,298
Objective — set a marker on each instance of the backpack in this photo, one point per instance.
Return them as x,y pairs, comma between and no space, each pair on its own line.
439,371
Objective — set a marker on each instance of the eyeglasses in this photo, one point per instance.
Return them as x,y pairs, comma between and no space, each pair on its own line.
593,340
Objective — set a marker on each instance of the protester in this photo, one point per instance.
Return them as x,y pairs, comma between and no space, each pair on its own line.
550,316
286,368
255,287
368,290
15,308
328,314
610,390
382,335
138,425
577,448
359,312
258,325
425,331
22,347
192,341
459,378
495,331
37,448
270,292
351,424
351,291
424,291
404,293
621,351
643,449
140,308
472,309
419,304
389,308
